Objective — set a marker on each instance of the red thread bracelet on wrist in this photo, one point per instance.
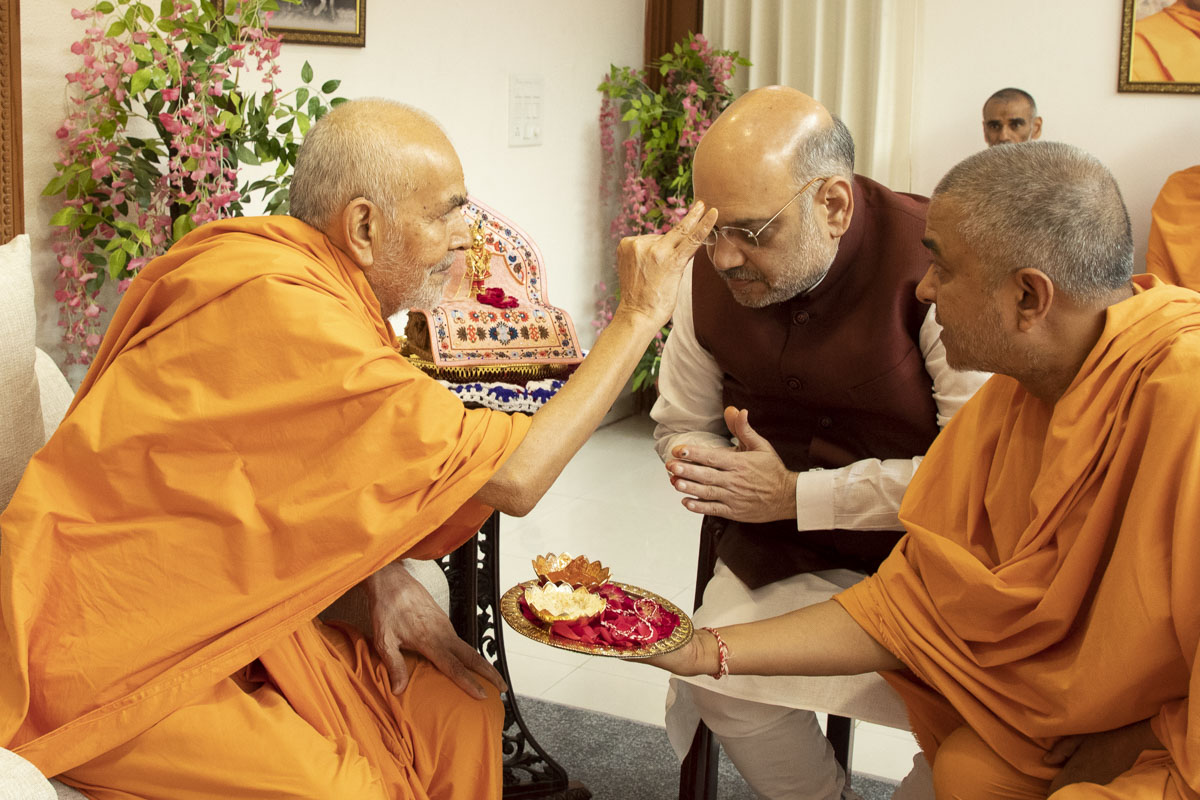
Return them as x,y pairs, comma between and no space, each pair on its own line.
722,655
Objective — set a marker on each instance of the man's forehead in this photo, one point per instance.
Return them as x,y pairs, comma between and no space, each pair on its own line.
940,219
742,188
930,238
1007,109
440,199
438,167
943,238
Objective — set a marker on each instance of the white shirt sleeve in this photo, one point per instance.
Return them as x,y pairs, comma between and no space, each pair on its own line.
866,494
951,387
689,408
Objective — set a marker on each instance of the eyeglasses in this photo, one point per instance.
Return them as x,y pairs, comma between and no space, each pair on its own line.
748,238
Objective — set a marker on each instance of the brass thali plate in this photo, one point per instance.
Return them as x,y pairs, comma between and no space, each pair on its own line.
510,609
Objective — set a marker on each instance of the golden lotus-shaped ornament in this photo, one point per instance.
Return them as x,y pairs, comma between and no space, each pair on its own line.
577,571
559,602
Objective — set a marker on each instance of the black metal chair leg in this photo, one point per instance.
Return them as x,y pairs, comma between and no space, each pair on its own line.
698,775
474,573
840,733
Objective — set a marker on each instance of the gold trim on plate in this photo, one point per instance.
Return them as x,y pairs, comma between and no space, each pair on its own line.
510,609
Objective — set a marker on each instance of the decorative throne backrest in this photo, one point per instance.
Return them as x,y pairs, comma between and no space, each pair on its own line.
495,320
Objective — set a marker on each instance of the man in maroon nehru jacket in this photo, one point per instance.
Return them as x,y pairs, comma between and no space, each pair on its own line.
802,339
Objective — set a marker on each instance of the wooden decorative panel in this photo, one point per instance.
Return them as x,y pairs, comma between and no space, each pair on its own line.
12,207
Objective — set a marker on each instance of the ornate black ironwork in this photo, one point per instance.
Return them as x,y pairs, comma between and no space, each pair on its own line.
474,574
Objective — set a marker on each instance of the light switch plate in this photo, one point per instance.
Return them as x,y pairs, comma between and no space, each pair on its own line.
526,104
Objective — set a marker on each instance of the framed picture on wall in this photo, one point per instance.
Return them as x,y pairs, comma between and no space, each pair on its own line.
337,22
1160,46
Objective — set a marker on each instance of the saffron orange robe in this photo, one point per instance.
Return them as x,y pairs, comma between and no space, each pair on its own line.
1166,46
1047,584
247,446
1173,252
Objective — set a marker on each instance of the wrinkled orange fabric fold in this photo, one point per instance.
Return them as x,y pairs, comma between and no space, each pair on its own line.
315,719
1173,252
247,446
1166,46
1047,583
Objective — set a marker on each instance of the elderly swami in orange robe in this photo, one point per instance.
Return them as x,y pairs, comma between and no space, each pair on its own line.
1041,617
249,445
1173,251
1166,45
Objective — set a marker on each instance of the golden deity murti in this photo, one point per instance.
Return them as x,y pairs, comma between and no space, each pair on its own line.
479,259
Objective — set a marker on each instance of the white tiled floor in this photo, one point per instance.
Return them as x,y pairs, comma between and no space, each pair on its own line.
613,503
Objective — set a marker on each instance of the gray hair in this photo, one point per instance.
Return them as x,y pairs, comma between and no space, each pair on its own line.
347,154
827,152
1013,93
1046,205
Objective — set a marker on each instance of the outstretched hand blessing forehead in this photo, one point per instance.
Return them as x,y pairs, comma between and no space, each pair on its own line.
651,266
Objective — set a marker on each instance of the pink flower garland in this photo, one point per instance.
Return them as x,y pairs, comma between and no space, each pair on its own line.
127,186
627,622
655,181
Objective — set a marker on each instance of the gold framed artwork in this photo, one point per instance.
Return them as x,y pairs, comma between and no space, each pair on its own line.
336,22
1160,46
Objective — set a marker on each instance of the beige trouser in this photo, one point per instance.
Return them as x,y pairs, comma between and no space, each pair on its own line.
761,723
782,752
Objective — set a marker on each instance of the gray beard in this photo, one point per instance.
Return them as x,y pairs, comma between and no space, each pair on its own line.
433,287
428,294
798,277
793,285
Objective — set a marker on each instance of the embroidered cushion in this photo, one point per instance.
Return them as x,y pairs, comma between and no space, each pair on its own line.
495,321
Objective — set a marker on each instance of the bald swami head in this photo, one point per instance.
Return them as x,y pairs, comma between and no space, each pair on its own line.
370,148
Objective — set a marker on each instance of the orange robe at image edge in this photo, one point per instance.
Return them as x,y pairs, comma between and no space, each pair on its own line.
990,599
247,446
1173,250
1166,46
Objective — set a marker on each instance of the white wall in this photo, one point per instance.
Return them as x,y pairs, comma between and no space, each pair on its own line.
454,58
449,57
1065,53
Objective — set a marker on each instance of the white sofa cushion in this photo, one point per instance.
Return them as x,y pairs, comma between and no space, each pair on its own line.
21,429
431,576
22,780
56,394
